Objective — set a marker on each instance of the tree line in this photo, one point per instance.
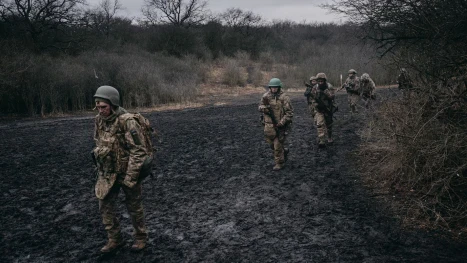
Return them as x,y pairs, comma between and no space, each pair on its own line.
54,53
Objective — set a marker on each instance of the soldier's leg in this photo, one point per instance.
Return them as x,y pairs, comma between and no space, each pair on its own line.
329,122
321,127
354,98
133,202
107,210
349,100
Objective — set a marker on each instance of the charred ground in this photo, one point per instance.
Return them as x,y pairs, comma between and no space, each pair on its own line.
213,197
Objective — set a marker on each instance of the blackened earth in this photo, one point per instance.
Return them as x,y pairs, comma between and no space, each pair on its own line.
213,197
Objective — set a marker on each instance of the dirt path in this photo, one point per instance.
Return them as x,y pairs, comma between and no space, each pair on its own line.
214,197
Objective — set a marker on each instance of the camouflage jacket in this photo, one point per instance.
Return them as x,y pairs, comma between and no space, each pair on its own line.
353,85
322,100
118,153
280,106
404,81
367,87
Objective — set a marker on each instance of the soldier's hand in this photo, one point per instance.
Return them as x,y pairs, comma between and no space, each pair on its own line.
266,110
128,182
280,124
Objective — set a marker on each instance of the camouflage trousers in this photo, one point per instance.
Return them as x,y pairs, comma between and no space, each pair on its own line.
367,97
323,124
277,144
353,99
134,206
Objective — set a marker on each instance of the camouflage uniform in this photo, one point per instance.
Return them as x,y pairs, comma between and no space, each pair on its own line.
309,99
367,87
119,156
322,102
405,82
280,106
352,84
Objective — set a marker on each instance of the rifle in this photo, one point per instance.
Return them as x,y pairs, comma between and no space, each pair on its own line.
270,113
321,103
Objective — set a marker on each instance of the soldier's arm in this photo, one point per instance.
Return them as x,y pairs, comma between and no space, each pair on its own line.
329,93
262,106
288,112
134,141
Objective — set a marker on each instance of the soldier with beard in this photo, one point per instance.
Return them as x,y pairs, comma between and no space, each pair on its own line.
322,102
277,113
123,156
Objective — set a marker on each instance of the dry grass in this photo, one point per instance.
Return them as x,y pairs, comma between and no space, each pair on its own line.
415,149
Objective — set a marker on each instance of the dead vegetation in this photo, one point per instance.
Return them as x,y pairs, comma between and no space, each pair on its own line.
414,151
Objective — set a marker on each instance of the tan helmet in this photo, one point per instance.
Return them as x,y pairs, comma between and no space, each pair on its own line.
109,93
352,71
365,76
312,78
321,76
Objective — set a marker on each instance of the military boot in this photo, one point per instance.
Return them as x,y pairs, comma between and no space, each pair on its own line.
139,245
321,144
278,167
111,246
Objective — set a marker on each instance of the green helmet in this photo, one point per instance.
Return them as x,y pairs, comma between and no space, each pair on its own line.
275,82
321,76
109,93
352,71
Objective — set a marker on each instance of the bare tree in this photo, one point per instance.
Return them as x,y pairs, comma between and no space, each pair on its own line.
103,17
421,33
235,17
183,13
43,22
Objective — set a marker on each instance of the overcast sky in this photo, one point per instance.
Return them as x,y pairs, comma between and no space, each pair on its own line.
295,10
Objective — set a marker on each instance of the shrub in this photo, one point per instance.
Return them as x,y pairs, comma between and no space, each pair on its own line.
233,74
415,147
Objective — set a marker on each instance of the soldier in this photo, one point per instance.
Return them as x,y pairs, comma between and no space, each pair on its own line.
309,99
277,113
322,102
404,82
352,86
122,157
367,87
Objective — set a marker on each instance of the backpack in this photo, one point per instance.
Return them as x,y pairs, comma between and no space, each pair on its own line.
149,134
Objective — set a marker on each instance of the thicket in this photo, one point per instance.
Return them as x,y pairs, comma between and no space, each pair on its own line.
53,57
415,146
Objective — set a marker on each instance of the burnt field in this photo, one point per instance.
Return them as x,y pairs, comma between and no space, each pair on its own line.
213,197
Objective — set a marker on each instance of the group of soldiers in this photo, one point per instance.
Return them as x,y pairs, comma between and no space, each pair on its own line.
123,151
358,87
320,95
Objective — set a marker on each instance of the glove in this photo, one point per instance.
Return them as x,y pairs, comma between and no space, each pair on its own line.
129,182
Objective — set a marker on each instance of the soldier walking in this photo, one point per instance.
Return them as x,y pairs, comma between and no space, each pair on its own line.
352,86
123,157
309,99
321,96
277,113
404,82
367,87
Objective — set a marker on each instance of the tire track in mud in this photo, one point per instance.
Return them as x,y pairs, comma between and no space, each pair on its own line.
213,198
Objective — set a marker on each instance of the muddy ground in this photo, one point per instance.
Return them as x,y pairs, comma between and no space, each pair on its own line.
213,198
